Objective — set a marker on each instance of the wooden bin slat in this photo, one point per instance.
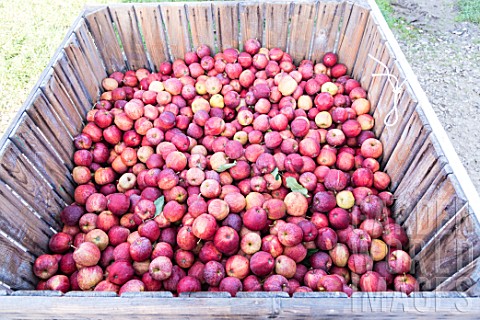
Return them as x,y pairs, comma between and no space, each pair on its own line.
151,24
353,27
23,178
328,21
43,116
226,24
80,64
466,279
176,25
72,86
16,266
418,177
200,17
93,60
365,47
439,203
251,21
54,90
301,28
21,224
30,142
277,18
101,28
378,85
376,47
411,139
455,246
132,43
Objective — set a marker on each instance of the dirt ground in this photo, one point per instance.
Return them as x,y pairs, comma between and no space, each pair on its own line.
445,55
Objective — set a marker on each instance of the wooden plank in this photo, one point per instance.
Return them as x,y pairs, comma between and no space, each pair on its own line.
127,25
455,246
326,28
226,24
101,27
73,87
16,266
40,152
376,47
65,109
251,21
351,34
40,111
404,151
176,24
200,17
21,175
93,58
439,203
86,77
151,25
364,49
426,165
301,30
18,222
466,279
277,17
378,84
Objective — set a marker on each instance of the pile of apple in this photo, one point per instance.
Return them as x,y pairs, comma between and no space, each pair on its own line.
239,171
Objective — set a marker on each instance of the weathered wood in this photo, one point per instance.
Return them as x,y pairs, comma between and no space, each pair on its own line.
364,49
378,84
72,86
152,29
351,34
466,279
326,28
426,165
175,20
277,17
438,204
30,142
200,19
101,27
403,152
251,21
92,56
127,25
15,266
40,111
60,102
21,224
229,308
301,27
376,48
456,245
226,24
23,178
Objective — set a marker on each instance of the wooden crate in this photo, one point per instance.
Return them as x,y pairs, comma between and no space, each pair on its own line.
435,199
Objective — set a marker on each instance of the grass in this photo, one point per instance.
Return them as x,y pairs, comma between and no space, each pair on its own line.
469,11
405,30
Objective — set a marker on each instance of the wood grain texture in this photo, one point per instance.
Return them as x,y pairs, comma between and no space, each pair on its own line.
200,18
425,167
40,111
151,24
326,28
403,152
351,33
22,177
226,24
437,206
175,20
301,29
466,279
455,246
364,48
21,224
93,58
127,25
277,20
15,266
376,48
378,85
252,16
39,151
101,27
